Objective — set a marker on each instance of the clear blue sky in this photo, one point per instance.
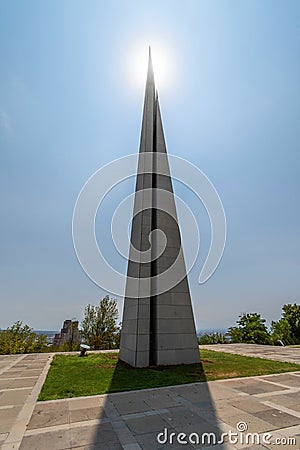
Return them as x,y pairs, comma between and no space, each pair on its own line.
68,105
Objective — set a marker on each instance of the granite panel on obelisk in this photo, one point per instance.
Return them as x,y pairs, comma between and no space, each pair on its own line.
157,328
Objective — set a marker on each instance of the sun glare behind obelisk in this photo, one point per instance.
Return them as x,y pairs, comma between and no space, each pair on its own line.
161,65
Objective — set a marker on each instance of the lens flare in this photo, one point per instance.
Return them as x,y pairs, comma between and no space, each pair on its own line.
162,65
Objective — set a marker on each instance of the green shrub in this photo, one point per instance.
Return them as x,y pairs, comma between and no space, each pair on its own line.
251,329
20,338
287,329
212,338
99,326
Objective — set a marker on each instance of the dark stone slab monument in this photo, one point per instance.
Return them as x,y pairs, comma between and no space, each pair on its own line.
158,325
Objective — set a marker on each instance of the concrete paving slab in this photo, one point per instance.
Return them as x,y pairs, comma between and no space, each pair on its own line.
249,405
4,384
103,447
50,440
289,431
284,354
134,405
278,418
9,413
85,402
195,393
23,383
157,400
181,415
254,424
223,411
147,424
203,427
6,424
81,415
284,399
285,379
260,387
295,407
49,415
3,437
149,441
32,372
256,447
13,375
10,397
220,392
99,434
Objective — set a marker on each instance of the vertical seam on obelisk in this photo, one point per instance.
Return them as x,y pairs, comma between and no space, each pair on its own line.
145,129
152,319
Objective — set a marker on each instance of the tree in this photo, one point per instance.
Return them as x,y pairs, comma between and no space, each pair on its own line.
287,329
99,326
281,331
251,329
212,338
20,338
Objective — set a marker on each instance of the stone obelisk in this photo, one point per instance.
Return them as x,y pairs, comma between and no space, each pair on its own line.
157,329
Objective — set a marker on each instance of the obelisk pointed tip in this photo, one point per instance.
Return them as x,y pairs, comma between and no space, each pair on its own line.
150,58
150,66
150,77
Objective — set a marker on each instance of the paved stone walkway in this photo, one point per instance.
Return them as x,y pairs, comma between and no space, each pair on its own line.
132,420
288,354
21,379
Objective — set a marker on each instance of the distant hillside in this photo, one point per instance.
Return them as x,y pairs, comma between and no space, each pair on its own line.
48,333
211,331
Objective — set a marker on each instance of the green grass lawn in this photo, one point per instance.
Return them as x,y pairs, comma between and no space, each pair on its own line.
71,376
